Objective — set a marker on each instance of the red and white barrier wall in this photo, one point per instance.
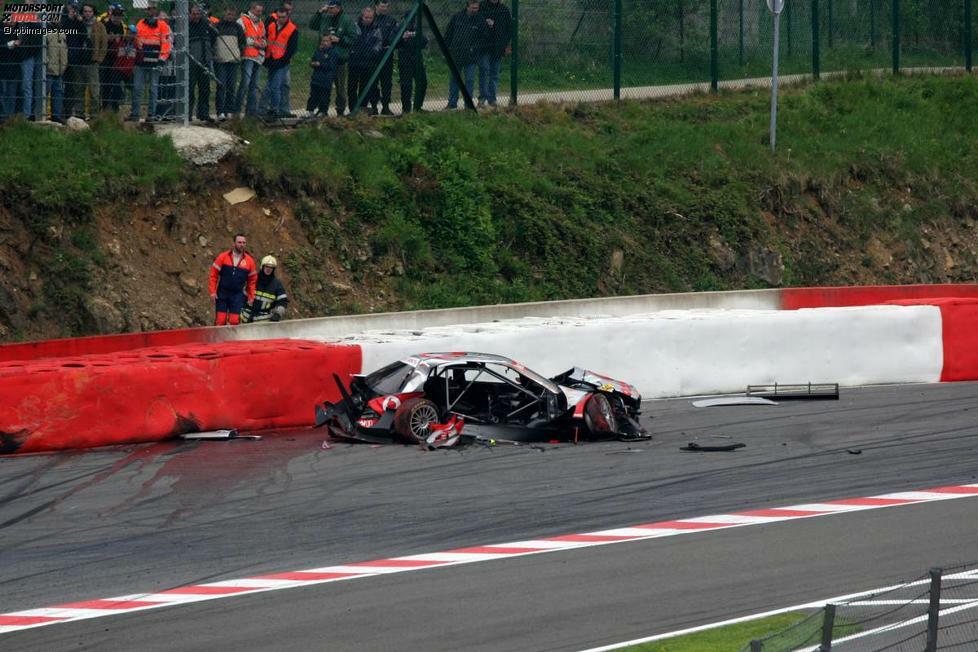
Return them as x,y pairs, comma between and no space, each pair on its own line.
155,393
726,341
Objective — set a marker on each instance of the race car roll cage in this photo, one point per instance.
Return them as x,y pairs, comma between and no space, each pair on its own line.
482,368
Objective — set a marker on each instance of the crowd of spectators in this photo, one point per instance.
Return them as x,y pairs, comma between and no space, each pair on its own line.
89,61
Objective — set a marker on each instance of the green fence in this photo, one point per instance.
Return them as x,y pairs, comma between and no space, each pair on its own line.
580,50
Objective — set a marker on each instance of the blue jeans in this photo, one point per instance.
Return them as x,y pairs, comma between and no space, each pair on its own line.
248,87
227,84
27,86
140,75
273,96
8,98
468,73
488,78
56,91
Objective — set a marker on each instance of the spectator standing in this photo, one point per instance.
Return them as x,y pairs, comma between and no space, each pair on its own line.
9,71
388,26
166,104
331,20
153,49
365,55
78,49
323,63
29,33
56,61
125,62
283,42
410,66
228,46
97,45
233,280
287,8
499,26
112,83
200,41
252,57
465,38
271,299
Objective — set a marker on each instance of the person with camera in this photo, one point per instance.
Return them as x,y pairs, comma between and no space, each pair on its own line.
411,71
333,21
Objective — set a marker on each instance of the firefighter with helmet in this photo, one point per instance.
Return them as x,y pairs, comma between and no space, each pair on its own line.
270,297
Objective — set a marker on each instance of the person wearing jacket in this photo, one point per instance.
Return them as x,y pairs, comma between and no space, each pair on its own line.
283,42
112,84
9,71
153,43
200,42
323,64
286,8
233,282
333,21
91,61
499,30
56,62
270,298
228,46
29,32
388,25
252,57
410,66
75,33
365,55
465,38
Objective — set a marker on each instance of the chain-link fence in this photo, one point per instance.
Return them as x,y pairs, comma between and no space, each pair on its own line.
936,611
235,58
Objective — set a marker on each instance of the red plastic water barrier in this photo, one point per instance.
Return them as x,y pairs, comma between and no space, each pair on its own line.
155,393
959,317
869,295
99,344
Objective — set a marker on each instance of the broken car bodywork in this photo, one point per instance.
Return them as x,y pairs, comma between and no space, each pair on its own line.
439,399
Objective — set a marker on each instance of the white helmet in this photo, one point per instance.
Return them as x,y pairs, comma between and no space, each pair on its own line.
269,261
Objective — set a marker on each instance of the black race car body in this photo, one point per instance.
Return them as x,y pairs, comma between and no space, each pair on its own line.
439,399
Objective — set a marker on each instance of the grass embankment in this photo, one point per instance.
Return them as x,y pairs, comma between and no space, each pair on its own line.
556,202
873,182
731,638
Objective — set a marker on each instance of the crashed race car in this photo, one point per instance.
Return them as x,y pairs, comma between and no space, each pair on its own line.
440,399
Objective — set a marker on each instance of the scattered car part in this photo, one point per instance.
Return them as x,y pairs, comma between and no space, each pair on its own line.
218,435
813,391
711,448
733,400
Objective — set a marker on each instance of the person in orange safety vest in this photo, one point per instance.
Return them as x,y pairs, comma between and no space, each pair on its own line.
252,57
283,41
233,282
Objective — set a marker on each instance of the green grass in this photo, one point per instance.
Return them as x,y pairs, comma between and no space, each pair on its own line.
530,205
731,638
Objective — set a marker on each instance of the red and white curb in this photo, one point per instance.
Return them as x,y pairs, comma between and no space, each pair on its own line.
62,613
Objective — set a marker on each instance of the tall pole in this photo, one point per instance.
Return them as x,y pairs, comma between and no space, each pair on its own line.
817,42
774,82
617,56
872,23
896,36
514,62
182,60
714,51
740,13
968,38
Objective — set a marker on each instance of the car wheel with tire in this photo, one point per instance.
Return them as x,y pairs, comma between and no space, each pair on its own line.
413,419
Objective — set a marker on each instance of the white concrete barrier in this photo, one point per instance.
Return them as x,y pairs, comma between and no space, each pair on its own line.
683,353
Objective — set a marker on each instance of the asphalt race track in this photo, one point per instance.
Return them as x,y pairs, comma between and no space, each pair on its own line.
110,522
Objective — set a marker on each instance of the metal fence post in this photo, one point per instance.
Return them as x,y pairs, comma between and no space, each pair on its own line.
828,623
740,13
896,37
872,23
968,38
617,55
828,24
714,53
514,63
933,610
787,24
756,646
181,47
816,45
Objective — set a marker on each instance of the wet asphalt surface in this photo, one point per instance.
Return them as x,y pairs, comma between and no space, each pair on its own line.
124,520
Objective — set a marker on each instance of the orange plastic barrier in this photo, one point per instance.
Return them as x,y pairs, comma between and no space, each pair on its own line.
152,394
958,319
102,344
